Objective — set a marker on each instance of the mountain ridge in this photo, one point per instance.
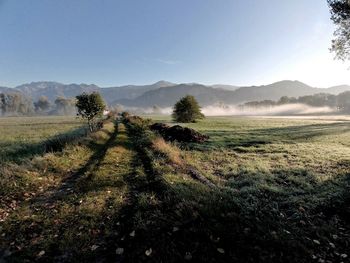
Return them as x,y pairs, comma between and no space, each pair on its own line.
207,95
164,93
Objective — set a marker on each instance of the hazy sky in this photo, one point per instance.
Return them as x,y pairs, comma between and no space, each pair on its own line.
114,42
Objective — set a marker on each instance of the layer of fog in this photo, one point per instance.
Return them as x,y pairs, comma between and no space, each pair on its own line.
229,110
286,109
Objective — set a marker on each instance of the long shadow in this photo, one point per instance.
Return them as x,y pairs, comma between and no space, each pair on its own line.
243,224
251,224
339,202
157,219
306,132
68,184
18,152
142,180
71,186
290,134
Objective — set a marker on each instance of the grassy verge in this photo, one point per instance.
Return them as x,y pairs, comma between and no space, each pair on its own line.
282,189
71,219
25,137
126,195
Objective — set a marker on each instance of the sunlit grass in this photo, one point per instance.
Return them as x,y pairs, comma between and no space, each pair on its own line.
262,189
22,137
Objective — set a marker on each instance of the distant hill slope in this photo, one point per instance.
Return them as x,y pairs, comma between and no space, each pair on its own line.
223,86
165,93
337,89
112,94
167,97
274,91
7,90
52,90
209,95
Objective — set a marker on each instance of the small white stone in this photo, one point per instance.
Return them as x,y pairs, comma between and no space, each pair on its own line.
148,252
119,251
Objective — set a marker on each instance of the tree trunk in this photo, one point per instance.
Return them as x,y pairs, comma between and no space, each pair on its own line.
91,127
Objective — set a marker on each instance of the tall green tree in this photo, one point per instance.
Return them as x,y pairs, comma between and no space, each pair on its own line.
187,109
90,107
340,11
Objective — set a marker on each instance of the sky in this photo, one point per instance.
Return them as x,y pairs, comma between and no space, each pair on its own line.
118,42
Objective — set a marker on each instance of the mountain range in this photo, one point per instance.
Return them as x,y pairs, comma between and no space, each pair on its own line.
165,94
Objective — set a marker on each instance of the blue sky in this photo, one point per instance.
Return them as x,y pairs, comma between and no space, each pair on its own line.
112,42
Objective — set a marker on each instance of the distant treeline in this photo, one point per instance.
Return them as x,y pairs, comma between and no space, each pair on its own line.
340,102
17,104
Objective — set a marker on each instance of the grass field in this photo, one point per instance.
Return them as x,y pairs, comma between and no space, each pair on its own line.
22,137
260,190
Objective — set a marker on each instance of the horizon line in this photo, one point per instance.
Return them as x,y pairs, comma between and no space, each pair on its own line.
179,83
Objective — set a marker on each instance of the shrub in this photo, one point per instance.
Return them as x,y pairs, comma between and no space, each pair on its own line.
90,107
187,110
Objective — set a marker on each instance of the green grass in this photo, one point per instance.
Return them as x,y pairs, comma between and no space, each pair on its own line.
260,190
66,199
269,170
22,137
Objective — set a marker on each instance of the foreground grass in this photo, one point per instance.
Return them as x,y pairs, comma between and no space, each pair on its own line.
23,137
68,219
258,191
285,184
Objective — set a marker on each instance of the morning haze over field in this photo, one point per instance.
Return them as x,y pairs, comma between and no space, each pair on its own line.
175,131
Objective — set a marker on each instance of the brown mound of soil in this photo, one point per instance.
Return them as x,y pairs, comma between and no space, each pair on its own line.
159,127
178,133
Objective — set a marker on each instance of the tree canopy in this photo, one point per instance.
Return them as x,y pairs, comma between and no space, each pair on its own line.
187,109
340,11
43,104
15,104
90,107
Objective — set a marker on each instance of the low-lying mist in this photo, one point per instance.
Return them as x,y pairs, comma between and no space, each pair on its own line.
229,110
286,109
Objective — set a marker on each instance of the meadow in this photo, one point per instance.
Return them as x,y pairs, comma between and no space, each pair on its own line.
259,190
22,137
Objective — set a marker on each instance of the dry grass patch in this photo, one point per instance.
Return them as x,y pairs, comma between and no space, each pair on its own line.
172,152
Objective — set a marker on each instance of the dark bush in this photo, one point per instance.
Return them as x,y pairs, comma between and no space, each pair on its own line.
178,133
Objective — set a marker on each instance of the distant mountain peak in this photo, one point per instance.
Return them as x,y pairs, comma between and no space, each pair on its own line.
289,84
164,83
288,81
39,84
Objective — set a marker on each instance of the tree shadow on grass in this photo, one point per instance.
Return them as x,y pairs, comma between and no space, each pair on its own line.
92,165
69,191
149,213
258,137
240,223
18,152
272,217
305,132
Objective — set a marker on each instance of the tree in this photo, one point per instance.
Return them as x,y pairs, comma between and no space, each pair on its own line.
340,11
65,106
15,104
90,107
43,104
187,110
3,103
284,100
156,109
344,102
